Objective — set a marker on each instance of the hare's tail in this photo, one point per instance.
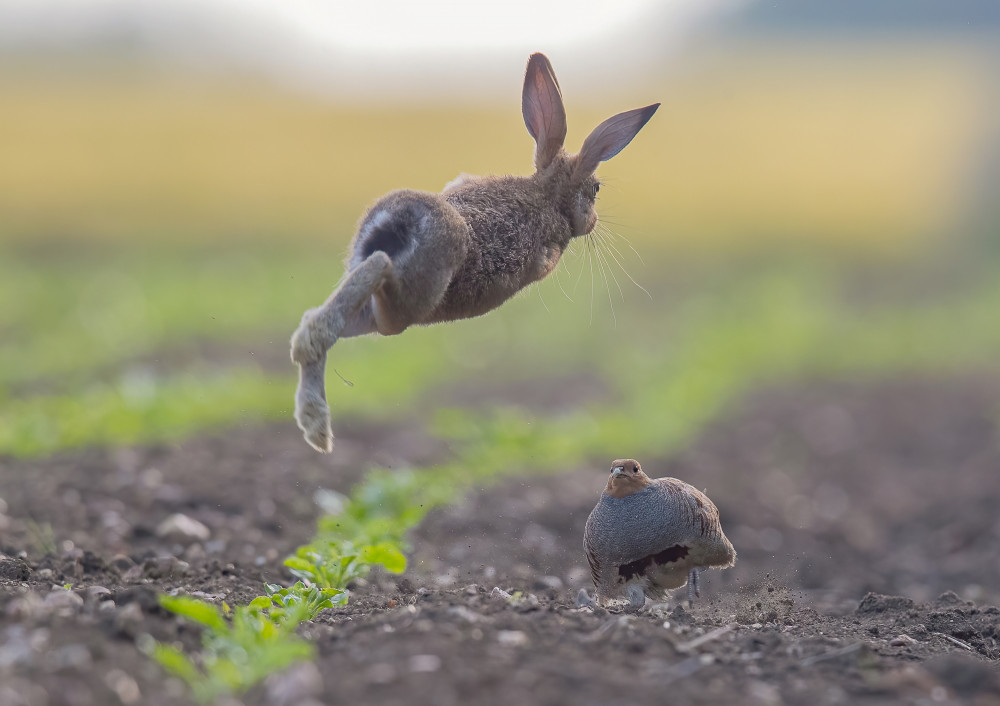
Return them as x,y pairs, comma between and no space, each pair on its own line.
319,330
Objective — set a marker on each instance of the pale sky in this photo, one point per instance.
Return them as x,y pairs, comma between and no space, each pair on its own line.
314,41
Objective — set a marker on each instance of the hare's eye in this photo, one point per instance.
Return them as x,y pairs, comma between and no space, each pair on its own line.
597,187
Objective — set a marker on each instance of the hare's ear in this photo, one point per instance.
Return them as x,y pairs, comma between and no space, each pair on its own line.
610,137
542,107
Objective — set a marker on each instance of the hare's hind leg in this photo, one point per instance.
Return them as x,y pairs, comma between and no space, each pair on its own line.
435,241
319,330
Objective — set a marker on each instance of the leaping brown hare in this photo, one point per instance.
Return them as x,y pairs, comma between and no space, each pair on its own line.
421,258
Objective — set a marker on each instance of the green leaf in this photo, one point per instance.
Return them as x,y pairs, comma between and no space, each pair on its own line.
387,555
299,564
196,610
262,603
177,663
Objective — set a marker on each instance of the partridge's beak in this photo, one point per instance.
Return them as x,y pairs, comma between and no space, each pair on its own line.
617,472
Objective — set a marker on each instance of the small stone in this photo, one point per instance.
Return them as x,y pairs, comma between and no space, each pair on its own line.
294,685
463,613
14,569
133,575
22,692
874,603
659,611
949,598
512,638
16,648
63,602
121,563
181,528
207,596
164,567
124,686
45,574
499,593
128,620
74,656
146,597
381,673
97,593
26,607
425,663
553,582
902,641
196,552
526,602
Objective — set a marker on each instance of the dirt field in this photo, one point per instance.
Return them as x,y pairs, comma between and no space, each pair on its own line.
864,515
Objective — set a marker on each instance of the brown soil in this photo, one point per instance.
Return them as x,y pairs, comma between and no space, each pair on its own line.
864,516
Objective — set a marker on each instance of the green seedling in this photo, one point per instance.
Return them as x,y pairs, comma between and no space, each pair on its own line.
239,647
287,604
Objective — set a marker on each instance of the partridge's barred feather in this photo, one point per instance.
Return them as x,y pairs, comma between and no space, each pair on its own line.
651,534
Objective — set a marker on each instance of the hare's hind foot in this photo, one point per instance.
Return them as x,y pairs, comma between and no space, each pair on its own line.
343,314
311,411
313,417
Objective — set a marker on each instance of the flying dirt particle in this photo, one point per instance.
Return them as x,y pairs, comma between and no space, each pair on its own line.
764,603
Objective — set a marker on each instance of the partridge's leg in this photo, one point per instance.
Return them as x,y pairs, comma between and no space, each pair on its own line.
694,589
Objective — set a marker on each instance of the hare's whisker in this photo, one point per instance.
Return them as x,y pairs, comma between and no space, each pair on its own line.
621,258
604,219
558,279
607,284
627,273
590,259
626,240
601,242
538,288
583,266
611,244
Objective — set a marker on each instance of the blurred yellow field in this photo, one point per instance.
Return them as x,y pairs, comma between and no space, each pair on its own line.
762,143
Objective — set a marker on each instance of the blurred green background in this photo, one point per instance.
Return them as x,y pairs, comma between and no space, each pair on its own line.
815,198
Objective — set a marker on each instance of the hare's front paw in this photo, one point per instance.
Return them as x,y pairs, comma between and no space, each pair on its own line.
313,417
308,343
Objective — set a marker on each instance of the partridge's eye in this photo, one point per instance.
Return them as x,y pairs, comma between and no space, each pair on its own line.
597,187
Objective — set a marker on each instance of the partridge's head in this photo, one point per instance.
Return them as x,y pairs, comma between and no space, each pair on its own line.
626,478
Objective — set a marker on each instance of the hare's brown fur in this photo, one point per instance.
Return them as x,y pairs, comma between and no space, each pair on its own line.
422,258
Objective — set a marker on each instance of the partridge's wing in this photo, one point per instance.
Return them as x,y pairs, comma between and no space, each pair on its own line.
592,552
664,522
